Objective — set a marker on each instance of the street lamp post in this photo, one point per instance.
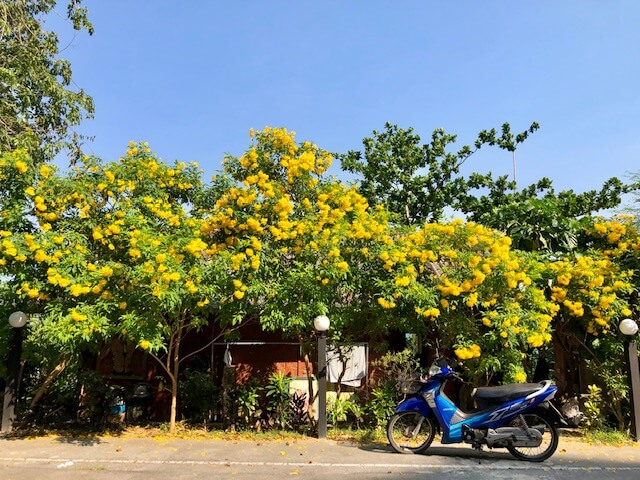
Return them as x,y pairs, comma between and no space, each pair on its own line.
321,324
629,328
17,320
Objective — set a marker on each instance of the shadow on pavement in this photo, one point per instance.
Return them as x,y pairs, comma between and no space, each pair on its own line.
77,435
443,451
85,441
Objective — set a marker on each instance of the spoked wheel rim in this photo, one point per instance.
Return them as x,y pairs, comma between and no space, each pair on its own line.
410,432
549,439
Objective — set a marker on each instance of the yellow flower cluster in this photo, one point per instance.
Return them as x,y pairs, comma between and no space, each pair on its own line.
613,231
466,353
385,303
196,247
77,316
428,312
620,234
592,286
16,160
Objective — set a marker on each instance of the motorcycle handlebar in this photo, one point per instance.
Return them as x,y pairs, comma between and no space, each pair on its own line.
452,375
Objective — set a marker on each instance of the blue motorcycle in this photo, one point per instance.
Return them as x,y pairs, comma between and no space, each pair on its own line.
518,417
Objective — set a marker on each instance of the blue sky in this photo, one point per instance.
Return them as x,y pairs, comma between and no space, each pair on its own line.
192,77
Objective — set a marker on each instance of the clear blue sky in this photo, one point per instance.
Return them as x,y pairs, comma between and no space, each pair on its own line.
192,77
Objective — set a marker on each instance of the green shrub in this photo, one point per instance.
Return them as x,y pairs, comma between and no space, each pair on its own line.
345,410
247,399
338,409
592,409
382,403
199,396
278,400
390,372
395,367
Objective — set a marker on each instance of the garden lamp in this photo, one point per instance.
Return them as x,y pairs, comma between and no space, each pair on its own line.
321,323
629,328
17,320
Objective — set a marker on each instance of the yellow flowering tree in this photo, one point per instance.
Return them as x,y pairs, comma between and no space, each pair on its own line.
296,240
118,250
16,176
461,285
590,279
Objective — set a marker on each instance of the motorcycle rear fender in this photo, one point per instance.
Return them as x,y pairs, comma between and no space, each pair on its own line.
415,404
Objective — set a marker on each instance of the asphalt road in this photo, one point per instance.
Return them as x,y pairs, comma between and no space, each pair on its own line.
170,459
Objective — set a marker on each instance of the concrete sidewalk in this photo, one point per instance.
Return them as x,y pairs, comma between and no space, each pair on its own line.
65,457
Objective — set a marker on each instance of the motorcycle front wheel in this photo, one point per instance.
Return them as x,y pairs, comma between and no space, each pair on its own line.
549,439
410,432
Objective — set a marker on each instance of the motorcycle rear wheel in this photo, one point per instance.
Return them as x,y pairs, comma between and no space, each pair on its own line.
410,432
549,439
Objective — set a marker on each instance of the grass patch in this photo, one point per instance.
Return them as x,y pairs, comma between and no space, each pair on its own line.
188,432
607,437
160,432
358,436
184,431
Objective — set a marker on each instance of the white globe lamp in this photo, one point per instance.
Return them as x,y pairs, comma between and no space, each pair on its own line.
18,319
321,323
628,327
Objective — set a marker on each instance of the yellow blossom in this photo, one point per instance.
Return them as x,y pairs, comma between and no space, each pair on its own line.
520,377
106,271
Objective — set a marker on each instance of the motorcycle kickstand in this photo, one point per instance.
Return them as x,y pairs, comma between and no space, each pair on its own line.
476,445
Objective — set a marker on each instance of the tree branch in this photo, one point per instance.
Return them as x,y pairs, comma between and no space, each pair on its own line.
50,378
210,343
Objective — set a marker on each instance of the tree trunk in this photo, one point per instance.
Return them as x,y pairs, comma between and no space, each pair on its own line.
174,404
617,411
50,378
307,365
174,381
566,369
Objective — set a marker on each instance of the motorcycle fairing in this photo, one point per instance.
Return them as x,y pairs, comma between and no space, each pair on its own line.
414,404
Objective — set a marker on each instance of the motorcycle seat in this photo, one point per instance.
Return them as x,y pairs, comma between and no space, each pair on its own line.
505,393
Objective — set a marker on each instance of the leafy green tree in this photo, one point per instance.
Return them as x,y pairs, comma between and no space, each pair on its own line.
533,223
38,109
633,208
418,181
536,217
296,240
